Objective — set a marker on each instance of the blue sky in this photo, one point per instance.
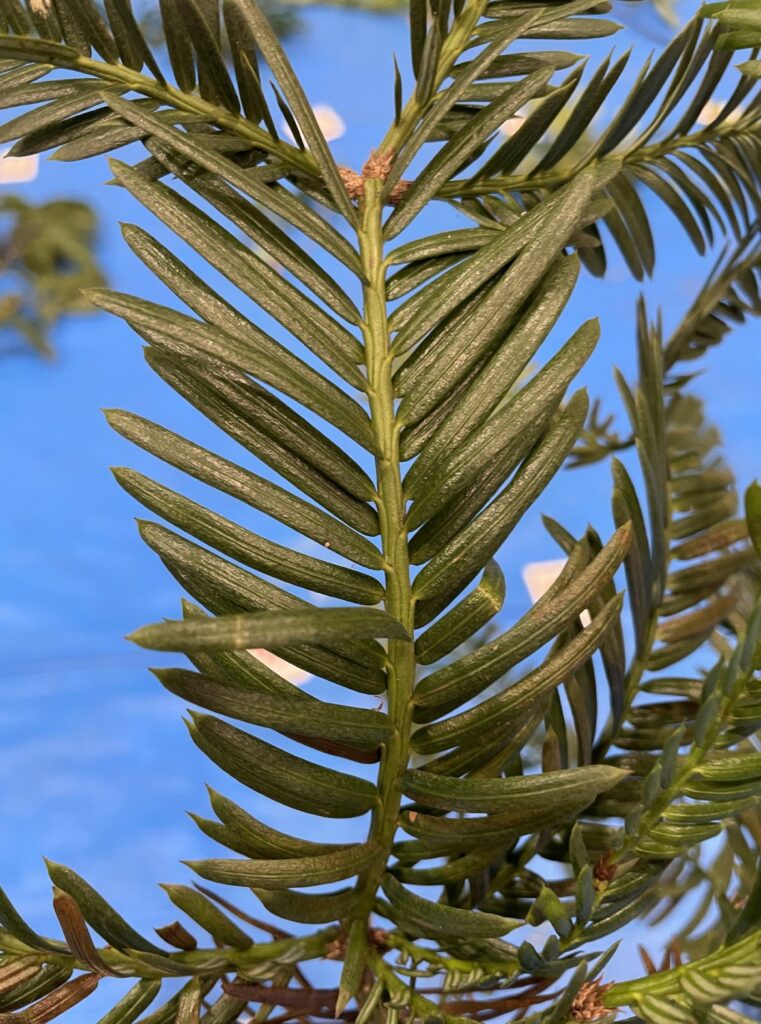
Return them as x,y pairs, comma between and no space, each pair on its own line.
96,766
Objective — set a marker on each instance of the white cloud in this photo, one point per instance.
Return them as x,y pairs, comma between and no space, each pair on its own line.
511,125
283,668
711,111
332,125
17,169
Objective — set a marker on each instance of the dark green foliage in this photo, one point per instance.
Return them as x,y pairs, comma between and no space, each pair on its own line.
413,418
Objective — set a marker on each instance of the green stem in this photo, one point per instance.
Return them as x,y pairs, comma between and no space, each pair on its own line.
637,669
695,758
474,187
689,764
399,600
406,996
667,983
132,81
217,961
402,132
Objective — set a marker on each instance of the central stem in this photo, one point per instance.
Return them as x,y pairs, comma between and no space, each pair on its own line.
399,600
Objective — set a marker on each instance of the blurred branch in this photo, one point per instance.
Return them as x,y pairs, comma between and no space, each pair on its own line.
46,258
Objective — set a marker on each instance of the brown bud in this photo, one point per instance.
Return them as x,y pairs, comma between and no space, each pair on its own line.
378,937
603,870
398,192
378,164
588,1004
353,183
336,950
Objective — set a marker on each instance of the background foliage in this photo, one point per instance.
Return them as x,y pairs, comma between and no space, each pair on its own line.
47,259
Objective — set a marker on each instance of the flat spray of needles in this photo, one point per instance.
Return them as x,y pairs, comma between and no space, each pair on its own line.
524,791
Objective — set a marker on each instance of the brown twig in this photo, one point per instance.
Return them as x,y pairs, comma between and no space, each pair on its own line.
270,929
